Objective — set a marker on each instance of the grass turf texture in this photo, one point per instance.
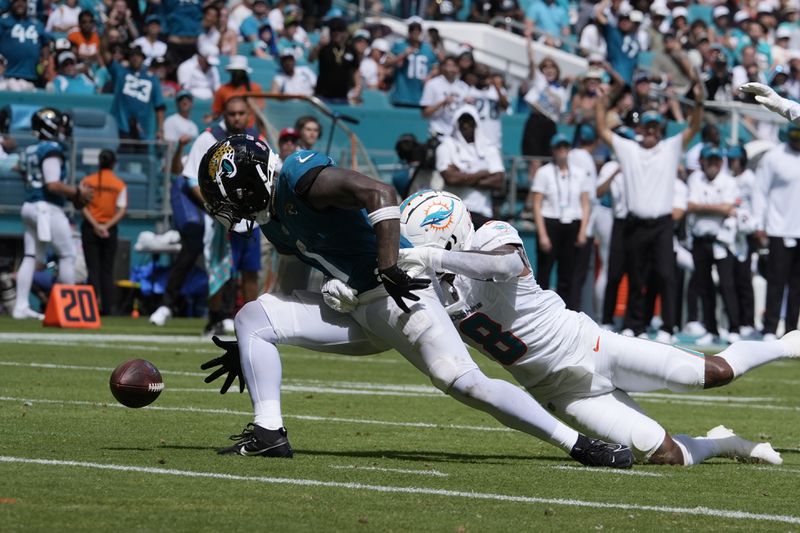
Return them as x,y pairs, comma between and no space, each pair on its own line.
329,402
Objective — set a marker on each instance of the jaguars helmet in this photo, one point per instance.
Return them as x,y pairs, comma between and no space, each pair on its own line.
436,218
236,178
50,124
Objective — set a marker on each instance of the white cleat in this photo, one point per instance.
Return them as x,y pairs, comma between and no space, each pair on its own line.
161,315
664,337
733,337
627,332
228,326
694,328
732,445
26,313
767,337
704,340
792,339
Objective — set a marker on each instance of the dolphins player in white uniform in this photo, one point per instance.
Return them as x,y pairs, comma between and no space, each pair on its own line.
564,359
766,96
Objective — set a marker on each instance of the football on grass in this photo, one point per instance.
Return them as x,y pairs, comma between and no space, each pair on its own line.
136,383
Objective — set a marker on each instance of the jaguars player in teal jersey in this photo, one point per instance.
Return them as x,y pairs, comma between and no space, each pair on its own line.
42,213
347,225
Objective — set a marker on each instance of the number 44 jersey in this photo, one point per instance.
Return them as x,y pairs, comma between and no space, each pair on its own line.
525,328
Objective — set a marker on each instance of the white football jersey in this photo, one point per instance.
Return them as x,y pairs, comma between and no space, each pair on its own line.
525,328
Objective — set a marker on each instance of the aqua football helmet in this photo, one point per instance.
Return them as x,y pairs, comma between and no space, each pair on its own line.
237,178
436,218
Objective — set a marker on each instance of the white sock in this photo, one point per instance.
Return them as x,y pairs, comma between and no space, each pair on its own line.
261,364
513,407
66,270
696,449
744,356
24,282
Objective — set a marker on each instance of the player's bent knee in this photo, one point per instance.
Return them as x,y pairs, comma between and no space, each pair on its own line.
684,377
717,372
445,371
251,319
646,438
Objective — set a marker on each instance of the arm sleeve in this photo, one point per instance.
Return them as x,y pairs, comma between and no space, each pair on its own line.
51,169
791,111
122,198
428,95
483,266
539,181
443,156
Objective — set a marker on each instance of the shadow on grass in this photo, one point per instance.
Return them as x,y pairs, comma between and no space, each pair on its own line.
162,447
433,457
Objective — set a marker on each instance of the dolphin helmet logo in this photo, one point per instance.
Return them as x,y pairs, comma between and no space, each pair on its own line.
439,216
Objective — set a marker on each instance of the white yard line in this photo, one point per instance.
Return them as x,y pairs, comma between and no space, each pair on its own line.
289,387
586,469
312,418
93,338
434,473
729,514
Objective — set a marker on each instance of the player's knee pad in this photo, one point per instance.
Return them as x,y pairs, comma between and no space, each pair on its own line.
685,376
253,320
446,370
646,438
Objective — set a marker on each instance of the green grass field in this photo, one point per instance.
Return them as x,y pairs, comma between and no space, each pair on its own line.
376,449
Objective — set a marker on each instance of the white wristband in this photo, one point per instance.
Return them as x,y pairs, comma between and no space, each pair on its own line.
384,213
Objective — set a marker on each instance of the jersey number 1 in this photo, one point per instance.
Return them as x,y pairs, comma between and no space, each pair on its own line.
505,347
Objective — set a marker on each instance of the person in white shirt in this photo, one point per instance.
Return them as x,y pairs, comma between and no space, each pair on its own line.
371,68
745,242
777,220
712,198
469,165
293,79
149,42
649,170
178,127
64,18
199,73
442,96
490,98
561,207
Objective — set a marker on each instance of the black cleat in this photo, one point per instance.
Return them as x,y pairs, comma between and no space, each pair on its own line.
255,440
595,452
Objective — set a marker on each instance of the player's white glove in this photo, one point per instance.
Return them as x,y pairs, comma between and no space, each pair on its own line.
764,95
415,261
339,296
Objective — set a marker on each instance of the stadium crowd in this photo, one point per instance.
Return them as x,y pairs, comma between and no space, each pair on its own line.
651,207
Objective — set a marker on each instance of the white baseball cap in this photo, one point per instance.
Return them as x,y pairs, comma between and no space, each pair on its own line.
238,62
680,11
380,44
721,11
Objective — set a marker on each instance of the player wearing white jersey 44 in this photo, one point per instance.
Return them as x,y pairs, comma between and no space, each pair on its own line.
565,360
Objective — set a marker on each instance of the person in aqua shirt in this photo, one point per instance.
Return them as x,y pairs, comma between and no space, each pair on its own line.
69,80
414,62
252,27
548,16
21,41
623,46
137,96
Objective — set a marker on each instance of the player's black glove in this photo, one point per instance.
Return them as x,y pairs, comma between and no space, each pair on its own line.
228,363
595,452
399,285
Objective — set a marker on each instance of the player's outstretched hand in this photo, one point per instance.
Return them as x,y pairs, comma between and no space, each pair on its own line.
595,452
415,261
763,94
399,285
228,363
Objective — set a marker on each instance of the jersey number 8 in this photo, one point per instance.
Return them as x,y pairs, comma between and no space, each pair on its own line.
503,346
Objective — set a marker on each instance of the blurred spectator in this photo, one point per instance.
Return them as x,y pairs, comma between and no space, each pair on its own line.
253,26
673,63
583,101
295,38
745,245
137,97
210,33
621,108
490,98
360,42
160,68
199,73
413,61
183,20
710,136
149,42
64,17
444,10
436,43
466,61
619,31
755,37
471,167
441,97
718,81
712,195
781,50
487,10
549,17
338,78
592,40
287,142
747,69
120,19
275,14
239,84
547,99
3,79
99,228
22,41
292,79
179,127
69,80
309,131
373,69
87,41
778,221
658,28
561,205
